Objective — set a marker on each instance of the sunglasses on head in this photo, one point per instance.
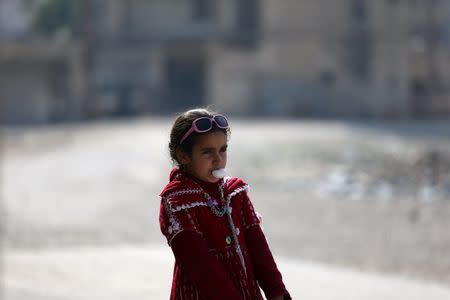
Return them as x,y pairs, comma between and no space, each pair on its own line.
205,124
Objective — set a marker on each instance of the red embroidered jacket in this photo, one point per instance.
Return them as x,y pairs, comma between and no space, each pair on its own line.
215,258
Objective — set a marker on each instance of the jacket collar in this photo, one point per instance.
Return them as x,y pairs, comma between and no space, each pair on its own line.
179,180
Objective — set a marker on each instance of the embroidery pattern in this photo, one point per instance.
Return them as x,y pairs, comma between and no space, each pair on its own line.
193,204
184,192
174,226
235,192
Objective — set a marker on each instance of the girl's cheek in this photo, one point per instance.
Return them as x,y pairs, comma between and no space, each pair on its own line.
206,158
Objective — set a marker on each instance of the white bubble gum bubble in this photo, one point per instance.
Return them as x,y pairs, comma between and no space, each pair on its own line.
219,173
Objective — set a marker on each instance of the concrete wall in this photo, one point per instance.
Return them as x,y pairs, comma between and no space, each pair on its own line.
306,58
39,83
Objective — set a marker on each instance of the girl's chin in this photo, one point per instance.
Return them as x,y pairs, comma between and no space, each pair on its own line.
212,179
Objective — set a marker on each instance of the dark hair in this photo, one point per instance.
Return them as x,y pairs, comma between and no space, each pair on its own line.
182,124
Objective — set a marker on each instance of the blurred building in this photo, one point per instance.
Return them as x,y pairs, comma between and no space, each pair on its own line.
411,56
15,17
341,58
163,56
39,80
387,58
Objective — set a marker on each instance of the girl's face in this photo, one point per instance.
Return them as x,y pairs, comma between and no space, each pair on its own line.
208,154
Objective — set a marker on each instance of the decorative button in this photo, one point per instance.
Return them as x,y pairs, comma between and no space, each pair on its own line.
228,240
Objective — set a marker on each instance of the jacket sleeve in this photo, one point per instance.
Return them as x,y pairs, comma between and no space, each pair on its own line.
202,267
265,268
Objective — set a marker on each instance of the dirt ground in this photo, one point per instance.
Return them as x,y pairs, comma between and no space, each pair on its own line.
143,272
370,196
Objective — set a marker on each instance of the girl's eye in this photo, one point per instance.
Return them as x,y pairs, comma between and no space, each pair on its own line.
224,149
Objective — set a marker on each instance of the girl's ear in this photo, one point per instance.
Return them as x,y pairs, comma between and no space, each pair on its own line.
182,157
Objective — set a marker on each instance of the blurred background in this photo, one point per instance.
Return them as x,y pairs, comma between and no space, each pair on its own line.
75,60
340,114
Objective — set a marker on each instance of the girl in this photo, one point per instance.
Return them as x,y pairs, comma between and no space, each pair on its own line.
209,222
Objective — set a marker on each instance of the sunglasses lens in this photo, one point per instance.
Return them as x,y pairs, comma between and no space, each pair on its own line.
203,124
221,121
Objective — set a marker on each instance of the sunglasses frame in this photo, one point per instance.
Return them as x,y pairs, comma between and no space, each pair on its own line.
196,129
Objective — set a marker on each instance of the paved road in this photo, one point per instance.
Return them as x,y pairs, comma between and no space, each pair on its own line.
144,272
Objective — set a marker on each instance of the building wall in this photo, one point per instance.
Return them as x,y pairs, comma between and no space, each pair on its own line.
39,83
300,65
233,74
141,17
140,43
15,17
298,58
161,19
390,27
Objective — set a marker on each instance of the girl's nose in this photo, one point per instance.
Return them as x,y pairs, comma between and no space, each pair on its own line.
217,157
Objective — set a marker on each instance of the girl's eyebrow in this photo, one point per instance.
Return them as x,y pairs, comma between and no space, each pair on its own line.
212,148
